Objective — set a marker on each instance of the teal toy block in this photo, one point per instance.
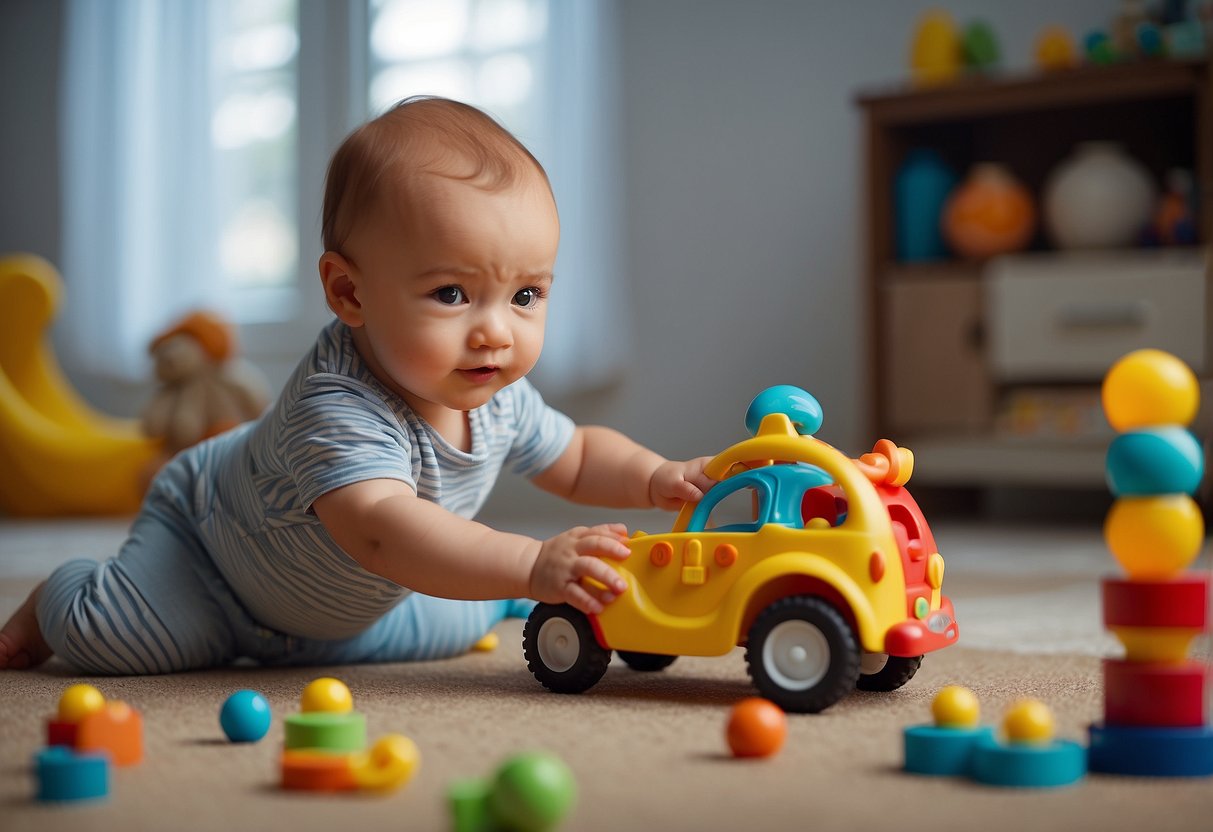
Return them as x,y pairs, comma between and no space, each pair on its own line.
1028,765
64,775
942,751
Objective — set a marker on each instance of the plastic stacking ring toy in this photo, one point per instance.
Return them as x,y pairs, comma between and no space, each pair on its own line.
328,731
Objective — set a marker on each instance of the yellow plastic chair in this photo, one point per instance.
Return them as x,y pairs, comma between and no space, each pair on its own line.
58,456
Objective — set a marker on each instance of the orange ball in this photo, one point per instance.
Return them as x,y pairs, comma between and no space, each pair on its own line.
757,728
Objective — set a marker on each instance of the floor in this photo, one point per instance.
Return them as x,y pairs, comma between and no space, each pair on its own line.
646,748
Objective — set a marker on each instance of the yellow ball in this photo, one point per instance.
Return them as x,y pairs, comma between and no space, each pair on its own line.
1150,387
79,701
1154,537
955,707
1028,721
328,695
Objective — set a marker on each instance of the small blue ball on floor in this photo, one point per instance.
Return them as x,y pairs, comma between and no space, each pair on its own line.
245,716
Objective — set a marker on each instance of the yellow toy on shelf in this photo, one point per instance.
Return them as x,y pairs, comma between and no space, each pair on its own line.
58,455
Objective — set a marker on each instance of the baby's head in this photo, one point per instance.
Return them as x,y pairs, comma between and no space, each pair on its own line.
385,159
440,232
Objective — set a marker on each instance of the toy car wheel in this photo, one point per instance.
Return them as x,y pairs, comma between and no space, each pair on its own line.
802,654
561,649
645,662
880,672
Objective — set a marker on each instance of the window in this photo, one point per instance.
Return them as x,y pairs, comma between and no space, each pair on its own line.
254,127
196,136
485,52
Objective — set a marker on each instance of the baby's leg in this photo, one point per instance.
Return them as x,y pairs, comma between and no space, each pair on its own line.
419,628
21,643
149,610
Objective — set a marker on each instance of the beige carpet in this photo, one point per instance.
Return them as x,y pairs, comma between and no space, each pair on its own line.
647,749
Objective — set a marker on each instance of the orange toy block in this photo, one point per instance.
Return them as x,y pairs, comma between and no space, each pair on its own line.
310,770
116,728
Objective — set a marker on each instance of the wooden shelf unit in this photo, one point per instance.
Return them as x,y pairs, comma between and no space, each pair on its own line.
1160,111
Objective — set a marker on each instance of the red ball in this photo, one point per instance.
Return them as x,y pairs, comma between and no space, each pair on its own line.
757,728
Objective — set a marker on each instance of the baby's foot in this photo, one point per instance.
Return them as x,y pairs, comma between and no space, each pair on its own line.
21,642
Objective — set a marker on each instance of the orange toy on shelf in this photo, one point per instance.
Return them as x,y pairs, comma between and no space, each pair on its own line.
989,213
59,456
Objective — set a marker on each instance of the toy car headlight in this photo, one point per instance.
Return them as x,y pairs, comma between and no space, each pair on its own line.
939,622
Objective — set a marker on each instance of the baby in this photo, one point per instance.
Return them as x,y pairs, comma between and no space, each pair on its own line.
336,528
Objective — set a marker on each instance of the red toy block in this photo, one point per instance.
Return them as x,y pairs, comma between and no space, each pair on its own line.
1180,602
59,732
1155,694
116,728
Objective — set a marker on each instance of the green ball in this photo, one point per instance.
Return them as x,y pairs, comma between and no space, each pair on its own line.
532,792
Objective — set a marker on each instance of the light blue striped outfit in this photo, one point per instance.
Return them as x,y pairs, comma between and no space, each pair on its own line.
226,561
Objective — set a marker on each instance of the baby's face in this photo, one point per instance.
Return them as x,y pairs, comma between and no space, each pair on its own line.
454,289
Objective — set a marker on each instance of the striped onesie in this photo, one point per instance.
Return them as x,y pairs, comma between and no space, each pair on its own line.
226,561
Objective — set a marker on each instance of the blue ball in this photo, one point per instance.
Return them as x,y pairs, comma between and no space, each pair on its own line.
245,716
1162,460
799,405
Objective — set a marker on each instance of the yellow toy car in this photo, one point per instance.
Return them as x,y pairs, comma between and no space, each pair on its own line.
830,578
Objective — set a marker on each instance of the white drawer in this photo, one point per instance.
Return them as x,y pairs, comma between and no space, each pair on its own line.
1069,317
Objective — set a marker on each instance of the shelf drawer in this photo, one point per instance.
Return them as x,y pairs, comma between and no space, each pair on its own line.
935,369
1070,317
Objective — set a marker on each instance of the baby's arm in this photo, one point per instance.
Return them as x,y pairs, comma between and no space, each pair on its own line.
388,530
603,467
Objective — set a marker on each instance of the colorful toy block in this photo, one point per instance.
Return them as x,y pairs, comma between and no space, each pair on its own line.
116,728
1155,712
85,721
327,731
311,770
61,733
942,751
64,775
1155,694
957,746
1028,765
1181,601
1151,752
945,748
324,746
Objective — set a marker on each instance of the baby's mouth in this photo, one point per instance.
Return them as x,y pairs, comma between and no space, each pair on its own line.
480,374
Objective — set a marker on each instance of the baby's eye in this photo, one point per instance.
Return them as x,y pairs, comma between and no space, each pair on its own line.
528,297
449,295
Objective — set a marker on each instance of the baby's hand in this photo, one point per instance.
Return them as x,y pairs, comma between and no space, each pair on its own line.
675,483
567,558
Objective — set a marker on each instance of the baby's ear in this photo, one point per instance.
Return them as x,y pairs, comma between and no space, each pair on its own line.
340,281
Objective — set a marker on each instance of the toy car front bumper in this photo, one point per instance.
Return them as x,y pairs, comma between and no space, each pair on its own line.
914,637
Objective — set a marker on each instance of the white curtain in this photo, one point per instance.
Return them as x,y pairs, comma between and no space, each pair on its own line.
588,332
138,218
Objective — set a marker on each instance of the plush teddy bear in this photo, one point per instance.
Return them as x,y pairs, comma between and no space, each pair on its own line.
204,389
